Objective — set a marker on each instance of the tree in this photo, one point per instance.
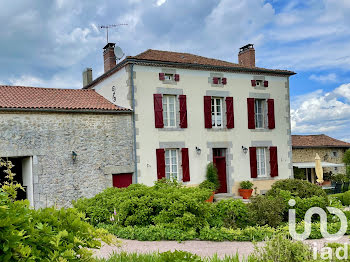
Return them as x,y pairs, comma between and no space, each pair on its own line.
346,160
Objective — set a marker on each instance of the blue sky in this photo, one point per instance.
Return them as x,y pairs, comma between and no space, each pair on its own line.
49,43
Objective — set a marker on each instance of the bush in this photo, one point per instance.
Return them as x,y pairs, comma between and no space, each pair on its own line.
346,198
246,185
166,204
212,175
298,188
264,210
46,234
338,178
338,196
232,213
208,185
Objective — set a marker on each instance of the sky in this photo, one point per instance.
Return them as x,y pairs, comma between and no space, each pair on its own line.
49,43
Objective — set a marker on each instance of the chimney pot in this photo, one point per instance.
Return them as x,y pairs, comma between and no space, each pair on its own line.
246,55
109,57
87,76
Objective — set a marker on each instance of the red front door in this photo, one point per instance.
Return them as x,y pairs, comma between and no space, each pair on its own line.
122,180
220,163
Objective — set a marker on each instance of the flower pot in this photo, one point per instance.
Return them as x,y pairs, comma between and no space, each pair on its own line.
211,198
326,183
245,193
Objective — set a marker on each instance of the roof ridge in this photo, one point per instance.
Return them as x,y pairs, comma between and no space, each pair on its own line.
50,88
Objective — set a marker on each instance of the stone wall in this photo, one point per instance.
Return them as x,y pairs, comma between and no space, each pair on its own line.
326,155
103,143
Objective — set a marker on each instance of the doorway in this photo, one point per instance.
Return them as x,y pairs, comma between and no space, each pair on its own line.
219,160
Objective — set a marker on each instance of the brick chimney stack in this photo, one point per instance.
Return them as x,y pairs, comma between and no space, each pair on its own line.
109,57
246,56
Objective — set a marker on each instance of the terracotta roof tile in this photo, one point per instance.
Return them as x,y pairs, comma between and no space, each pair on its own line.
317,141
175,57
23,97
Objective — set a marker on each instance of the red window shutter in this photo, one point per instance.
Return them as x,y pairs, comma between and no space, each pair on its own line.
160,153
266,83
177,77
158,110
253,162
229,113
224,80
253,82
161,76
183,111
251,113
215,80
207,112
185,165
271,113
273,161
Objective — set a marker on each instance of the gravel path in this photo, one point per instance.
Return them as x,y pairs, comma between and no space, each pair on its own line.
202,248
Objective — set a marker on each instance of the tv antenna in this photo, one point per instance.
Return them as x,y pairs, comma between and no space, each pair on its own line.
110,26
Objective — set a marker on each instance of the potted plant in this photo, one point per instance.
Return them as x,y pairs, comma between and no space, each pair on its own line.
246,189
338,180
212,180
327,178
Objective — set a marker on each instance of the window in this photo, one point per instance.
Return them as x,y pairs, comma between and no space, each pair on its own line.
171,164
216,112
169,112
169,77
334,154
261,161
259,83
260,113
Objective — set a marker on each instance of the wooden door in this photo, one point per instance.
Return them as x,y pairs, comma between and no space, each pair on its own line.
220,163
122,180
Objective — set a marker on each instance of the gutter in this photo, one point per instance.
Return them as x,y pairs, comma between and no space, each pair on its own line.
133,116
57,110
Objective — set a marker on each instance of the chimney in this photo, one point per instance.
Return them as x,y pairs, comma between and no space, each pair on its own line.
87,76
246,55
109,57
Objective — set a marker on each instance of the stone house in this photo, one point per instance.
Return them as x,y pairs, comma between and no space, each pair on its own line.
64,143
330,150
190,110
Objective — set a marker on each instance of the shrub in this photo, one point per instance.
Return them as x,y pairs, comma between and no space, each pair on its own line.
212,175
246,185
232,213
264,210
46,234
208,185
166,203
298,188
346,198
282,249
338,196
338,178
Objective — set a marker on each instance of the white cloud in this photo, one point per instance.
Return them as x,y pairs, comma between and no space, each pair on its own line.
331,77
57,81
160,2
321,112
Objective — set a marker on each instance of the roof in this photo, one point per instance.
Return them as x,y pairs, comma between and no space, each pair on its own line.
186,60
35,98
305,141
313,164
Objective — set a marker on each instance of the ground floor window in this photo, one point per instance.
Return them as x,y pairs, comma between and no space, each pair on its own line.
171,164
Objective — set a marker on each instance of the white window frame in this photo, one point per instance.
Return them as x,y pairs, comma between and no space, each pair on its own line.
171,164
261,161
261,114
169,77
166,111
215,113
259,83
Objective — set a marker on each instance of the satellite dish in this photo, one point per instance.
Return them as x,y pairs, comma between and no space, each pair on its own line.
118,52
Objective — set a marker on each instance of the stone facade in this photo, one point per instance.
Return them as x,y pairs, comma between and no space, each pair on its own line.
103,143
326,155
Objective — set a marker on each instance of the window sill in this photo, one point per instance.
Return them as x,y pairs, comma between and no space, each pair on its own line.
169,82
171,129
219,129
261,130
263,178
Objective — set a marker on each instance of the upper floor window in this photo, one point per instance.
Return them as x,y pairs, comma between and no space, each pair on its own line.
169,77
260,113
261,161
334,154
169,110
216,112
171,164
